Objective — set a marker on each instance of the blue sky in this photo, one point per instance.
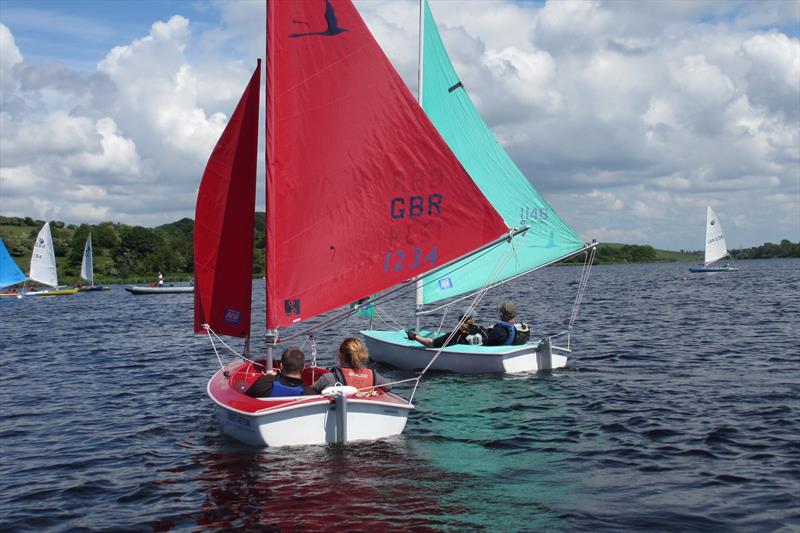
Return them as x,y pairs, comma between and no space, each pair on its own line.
79,34
629,117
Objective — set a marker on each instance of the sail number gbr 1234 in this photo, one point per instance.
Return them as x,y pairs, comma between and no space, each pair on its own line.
409,259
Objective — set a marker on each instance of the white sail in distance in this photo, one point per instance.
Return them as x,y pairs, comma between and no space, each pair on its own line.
43,259
87,266
715,238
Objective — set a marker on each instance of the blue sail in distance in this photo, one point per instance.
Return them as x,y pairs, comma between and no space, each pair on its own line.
549,238
10,273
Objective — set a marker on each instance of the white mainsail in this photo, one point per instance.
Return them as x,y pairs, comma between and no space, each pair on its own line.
87,266
715,239
43,259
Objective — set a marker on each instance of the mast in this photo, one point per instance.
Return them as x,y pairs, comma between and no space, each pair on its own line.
420,294
269,104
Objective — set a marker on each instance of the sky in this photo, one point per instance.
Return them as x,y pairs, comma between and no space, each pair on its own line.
629,117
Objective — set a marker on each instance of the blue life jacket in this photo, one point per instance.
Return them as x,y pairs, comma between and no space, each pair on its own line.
510,330
279,389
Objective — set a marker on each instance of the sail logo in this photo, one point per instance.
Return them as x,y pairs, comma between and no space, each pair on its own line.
232,316
330,18
533,214
445,284
291,307
712,221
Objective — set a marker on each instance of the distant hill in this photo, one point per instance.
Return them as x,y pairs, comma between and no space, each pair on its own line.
611,252
124,253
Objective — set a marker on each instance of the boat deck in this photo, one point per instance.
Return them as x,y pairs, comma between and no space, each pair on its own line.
229,391
399,337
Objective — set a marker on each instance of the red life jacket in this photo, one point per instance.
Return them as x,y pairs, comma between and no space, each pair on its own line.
360,379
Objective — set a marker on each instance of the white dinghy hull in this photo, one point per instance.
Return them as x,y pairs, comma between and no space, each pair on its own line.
394,348
159,290
305,420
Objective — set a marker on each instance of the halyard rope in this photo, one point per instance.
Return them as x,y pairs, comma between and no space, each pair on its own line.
469,311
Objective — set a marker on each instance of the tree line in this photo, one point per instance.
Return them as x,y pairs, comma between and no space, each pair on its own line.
124,252
121,252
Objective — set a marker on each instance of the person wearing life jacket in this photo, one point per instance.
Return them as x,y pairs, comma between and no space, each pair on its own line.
506,331
352,369
468,332
287,382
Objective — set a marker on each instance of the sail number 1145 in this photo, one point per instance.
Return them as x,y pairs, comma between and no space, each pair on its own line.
409,259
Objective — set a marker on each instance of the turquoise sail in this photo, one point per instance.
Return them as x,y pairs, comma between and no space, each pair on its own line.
549,238
10,274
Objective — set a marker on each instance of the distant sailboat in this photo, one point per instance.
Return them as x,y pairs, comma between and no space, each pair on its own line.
161,289
43,266
715,247
87,267
10,273
547,241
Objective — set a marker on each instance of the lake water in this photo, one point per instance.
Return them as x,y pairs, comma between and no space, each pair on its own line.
679,410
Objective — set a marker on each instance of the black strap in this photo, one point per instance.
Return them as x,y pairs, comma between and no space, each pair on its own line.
338,375
454,87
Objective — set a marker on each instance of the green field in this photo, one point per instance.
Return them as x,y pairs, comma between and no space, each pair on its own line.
660,255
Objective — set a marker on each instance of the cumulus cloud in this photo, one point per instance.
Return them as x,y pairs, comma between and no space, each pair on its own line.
629,117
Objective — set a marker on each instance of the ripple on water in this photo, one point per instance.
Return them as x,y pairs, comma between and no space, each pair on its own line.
680,397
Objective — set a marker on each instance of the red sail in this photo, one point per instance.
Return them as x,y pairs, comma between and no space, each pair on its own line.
362,192
224,218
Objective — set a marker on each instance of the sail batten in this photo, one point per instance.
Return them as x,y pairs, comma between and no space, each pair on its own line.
362,191
224,222
449,107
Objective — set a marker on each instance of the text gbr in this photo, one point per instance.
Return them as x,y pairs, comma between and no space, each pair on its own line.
412,207
416,206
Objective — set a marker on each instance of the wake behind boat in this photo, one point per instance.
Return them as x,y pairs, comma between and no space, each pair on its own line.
163,289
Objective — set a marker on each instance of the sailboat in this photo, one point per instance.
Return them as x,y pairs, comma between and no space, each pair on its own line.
548,240
87,267
43,266
362,195
715,247
10,273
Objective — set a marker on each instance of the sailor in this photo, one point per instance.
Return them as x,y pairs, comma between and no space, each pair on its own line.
160,279
468,332
507,331
288,382
352,369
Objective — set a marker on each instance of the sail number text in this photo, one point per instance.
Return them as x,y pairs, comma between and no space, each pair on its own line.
533,214
408,259
416,206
